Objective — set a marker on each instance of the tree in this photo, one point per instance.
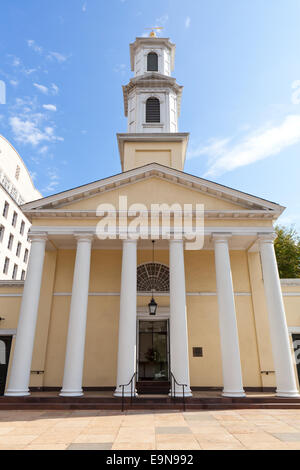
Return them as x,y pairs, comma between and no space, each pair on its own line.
287,249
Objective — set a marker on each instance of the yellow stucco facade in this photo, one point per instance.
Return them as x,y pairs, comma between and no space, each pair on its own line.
101,345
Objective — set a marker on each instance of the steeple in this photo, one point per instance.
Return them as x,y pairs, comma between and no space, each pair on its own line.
152,100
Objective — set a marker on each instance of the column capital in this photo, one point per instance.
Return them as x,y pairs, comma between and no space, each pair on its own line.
129,240
267,237
221,237
176,240
37,237
83,236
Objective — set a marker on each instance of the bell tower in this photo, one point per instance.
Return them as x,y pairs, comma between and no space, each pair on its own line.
152,100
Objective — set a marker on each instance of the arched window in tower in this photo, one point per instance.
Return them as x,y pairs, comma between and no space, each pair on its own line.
152,110
152,62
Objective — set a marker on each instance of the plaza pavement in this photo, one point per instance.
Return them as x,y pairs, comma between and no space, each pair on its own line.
106,430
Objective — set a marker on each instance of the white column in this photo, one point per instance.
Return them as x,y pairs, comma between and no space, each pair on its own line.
127,320
72,382
282,355
21,365
231,362
178,321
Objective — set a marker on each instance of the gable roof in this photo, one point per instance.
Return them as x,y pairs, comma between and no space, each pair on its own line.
246,201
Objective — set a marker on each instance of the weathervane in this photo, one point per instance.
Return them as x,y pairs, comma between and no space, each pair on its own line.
153,33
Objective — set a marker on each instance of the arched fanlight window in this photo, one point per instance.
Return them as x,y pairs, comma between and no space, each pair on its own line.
152,110
154,276
152,62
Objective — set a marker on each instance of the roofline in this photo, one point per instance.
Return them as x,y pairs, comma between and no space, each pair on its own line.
21,159
53,197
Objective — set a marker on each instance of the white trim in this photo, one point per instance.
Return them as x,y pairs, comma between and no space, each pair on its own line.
294,329
290,282
71,230
154,170
8,332
11,295
291,294
147,294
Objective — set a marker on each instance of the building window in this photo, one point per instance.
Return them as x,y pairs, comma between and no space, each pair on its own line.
22,228
14,219
152,62
152,110
18,249
15,271
17,175
23,275
6,266
26,256
10,241
153,276
5,209
2,229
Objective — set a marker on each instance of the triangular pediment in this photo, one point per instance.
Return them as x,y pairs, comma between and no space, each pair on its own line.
156,184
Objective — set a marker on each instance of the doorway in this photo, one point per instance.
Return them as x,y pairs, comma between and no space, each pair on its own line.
153,353
296,345
5,346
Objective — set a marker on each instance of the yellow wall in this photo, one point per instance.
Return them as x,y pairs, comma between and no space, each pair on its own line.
171,154
103,315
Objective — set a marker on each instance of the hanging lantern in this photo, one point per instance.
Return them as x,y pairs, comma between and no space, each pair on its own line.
152,305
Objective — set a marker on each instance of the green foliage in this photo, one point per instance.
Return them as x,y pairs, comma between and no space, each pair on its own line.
287,248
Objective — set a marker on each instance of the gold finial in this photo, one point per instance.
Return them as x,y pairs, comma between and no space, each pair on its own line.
152,34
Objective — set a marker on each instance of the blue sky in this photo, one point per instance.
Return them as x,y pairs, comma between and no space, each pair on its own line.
64,62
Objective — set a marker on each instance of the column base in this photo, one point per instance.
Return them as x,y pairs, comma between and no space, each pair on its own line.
71,393
234,394
17,393
285,394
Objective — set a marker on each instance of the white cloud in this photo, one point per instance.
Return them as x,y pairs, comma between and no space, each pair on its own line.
162,20
225,155
120,68
49,107
84,6
54,89
16,62
296,94
43,149
187,22
57,56
41,88
30,130
53,180
14,82
32,44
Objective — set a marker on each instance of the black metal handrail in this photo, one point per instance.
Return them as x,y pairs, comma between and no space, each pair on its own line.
132,391
173,389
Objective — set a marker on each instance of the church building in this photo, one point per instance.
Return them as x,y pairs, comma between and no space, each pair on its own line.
119,297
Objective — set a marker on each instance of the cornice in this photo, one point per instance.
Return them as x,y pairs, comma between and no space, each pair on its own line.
152,80
195,183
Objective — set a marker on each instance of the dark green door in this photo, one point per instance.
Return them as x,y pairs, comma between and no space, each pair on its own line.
296,345
153,350
5,345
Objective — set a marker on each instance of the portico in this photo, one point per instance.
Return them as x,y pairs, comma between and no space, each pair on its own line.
86,244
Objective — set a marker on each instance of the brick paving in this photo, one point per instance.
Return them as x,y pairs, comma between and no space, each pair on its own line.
132,430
